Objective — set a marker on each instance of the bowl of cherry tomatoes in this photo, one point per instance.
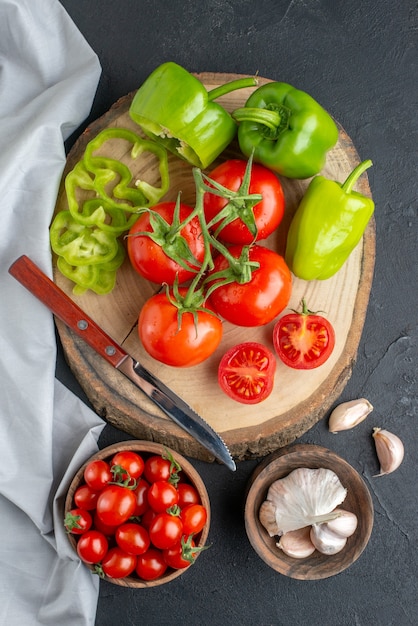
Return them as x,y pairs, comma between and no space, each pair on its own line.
137,513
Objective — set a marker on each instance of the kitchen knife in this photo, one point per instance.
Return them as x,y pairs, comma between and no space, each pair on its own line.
38,283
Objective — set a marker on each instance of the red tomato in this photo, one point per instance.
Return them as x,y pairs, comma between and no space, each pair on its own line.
97,474
246,372
187,495
132,538
260,300
151,564
268,213
117,563
179,558
157,468
92,546
165,530
147,255
106,529
147,518
115,504
132,462
141,492
159,333
194,518
303,340
85,497
78,521
162,495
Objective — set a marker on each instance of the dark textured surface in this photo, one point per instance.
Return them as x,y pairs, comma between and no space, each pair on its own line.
359,59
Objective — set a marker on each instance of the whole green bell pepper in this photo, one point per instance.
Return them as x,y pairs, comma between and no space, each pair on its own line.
287,129
174,108
328,224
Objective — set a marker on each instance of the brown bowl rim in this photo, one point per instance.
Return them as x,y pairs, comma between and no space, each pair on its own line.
279,464
147,447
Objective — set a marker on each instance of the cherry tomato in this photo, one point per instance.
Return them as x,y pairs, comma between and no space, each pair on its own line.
176,556
147,256
132,538
147,518
115,504
151,564
162,495
92,546
165,530
268,213
132,462
187,495
194,518
117,563
260,300
246,372
78,521
97,474
303,340
157,468
141,492
85,497
106,529
161,337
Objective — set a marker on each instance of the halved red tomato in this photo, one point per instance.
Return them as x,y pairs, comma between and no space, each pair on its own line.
303,340
246,372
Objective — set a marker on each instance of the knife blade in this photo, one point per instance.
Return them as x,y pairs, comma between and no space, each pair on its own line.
40,285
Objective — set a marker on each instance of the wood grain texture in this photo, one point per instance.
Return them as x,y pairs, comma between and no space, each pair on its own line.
358,501
299,399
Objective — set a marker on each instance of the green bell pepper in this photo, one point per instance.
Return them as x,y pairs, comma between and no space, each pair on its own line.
328,224
289,132
174,108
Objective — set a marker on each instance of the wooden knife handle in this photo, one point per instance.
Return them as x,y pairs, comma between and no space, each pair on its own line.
38,283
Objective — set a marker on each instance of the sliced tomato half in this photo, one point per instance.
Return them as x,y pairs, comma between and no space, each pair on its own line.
246,372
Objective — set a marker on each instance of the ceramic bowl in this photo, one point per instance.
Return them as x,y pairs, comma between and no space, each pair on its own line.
145,449
358,500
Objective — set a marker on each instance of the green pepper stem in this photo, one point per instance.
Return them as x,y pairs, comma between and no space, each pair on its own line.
240,83
267,117
355,175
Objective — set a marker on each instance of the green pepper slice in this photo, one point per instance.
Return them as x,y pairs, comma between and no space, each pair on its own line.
174,108
287,129
328,224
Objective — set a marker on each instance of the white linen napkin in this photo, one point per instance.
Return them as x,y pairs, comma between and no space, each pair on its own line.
48,78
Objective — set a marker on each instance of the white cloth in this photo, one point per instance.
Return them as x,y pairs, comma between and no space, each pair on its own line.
48,78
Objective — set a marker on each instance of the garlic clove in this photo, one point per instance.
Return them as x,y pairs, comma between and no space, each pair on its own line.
345,524
267,517
325,540
390,450
349,414
297,543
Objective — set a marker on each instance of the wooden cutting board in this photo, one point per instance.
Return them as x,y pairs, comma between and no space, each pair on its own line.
299,398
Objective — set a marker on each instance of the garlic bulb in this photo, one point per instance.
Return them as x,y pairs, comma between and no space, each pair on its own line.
297,543
302,498
325,540
349,414
389,449
345,524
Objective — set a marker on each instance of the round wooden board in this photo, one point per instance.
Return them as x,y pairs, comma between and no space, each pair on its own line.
299,398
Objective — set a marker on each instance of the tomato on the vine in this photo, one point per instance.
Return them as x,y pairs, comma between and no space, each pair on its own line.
157,468
132,538
246,372
92,546
181,555
130,461
97,474
77,521
268,212
165,530
262,298
194,518
154,257
117,563
162,495
151,564
181,343
115,504
303,340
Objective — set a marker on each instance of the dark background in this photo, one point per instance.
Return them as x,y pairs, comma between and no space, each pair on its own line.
359,60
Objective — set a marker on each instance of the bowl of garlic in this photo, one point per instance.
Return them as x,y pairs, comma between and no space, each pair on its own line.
308,513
